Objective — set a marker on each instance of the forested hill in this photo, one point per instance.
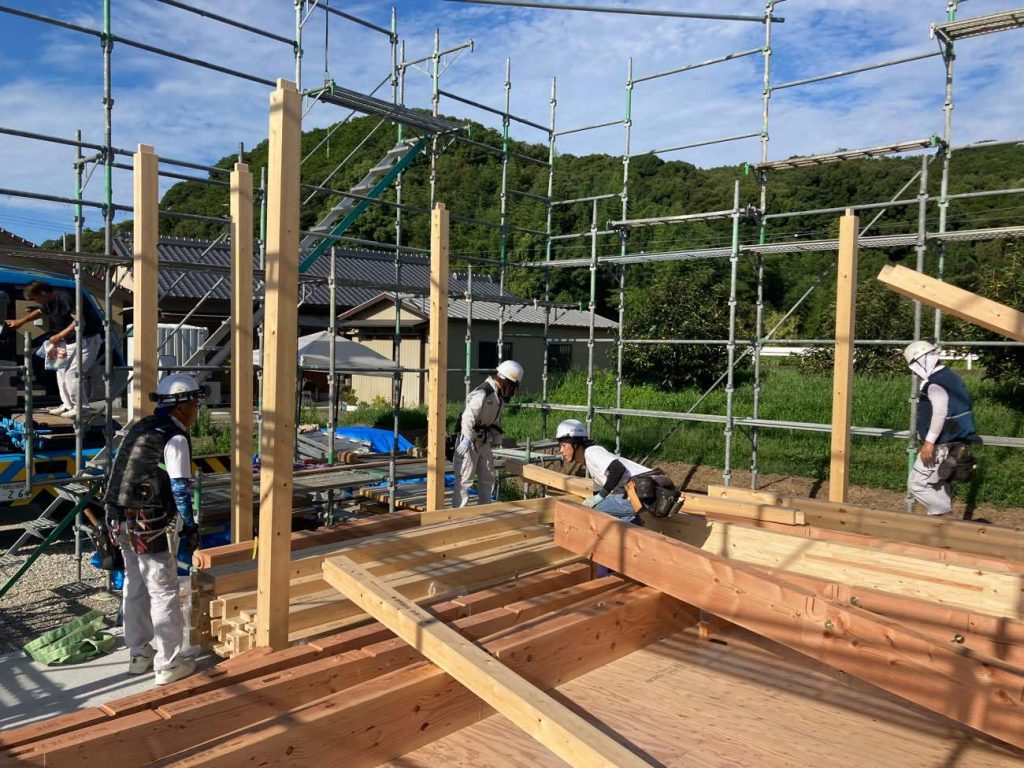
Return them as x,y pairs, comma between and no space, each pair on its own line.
675,299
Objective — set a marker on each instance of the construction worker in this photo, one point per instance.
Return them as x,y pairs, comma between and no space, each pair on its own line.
945,427
148,498
479,430
622,488
58,306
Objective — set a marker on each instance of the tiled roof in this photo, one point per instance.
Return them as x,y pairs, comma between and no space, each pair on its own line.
362,274
528,314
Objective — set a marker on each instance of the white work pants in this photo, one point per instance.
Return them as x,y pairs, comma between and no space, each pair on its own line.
478,462
934,494
152,611
67,377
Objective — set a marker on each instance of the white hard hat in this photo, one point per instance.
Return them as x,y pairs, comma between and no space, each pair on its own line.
511,370
177,388
571,428
918,349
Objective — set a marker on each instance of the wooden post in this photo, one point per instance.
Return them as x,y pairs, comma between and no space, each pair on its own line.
968,306
437,363
277,448
144,280
842,378
241,353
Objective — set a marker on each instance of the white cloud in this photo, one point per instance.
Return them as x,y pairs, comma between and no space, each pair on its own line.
199,115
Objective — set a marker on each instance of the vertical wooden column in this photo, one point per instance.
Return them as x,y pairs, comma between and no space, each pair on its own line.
437,362
145,295
241,353
842,378
277,447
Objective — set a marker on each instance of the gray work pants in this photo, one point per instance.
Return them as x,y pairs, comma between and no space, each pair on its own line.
935,494
152,610
478,462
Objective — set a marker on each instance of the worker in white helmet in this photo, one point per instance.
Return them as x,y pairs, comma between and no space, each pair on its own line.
479,429
945,427
149,503
622,488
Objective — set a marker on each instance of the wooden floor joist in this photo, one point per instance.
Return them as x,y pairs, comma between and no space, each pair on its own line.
559,729
989,540
525,599
976,691
387,716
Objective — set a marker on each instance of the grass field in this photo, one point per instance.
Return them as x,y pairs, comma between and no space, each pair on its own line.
791,396
786,395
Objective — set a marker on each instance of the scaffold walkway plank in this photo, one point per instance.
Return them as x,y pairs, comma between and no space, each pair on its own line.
980,25
850,154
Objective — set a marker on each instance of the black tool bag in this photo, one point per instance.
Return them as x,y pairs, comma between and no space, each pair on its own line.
656,492
959,464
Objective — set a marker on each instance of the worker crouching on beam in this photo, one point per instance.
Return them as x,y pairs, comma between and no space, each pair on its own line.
622,488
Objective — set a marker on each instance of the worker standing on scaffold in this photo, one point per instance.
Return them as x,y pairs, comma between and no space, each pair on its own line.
479,431
148,493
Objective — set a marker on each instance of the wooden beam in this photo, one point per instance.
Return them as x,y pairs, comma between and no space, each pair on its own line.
277,448
997,593
386,717
437,359
577,486
145,289
562,731
970,689
241,353
842,377
968,306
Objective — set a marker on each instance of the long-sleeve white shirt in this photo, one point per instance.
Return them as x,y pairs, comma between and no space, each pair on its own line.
598,460
939,399
484,410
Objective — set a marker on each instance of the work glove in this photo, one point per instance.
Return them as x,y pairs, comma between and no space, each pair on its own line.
463,446
189,537
593,501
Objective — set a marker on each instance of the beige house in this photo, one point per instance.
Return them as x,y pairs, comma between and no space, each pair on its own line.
373,324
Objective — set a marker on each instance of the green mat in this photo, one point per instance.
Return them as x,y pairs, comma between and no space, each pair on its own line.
79,640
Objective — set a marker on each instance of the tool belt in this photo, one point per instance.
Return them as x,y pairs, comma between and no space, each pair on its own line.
144,527
959,464
653,492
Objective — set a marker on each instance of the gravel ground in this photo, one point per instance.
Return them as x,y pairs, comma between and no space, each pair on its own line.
49,595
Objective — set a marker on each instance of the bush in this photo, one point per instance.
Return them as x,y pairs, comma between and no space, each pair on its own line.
867,361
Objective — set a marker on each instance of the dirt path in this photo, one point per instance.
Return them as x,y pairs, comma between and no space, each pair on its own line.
698,478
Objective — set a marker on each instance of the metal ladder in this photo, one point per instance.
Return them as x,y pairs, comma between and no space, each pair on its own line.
335,223
47,521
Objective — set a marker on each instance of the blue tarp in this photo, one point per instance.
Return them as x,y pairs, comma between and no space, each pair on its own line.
379,440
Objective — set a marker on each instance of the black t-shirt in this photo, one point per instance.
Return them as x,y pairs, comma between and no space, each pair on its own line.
60,311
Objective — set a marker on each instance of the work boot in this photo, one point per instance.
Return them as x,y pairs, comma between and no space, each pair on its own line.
141,663
183,668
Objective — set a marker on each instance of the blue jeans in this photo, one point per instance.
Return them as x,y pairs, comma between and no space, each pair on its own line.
620,508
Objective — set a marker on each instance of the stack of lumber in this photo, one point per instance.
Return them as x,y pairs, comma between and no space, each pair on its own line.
424,563
359,697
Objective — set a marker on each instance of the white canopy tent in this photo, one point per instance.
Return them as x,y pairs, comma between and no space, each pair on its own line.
349,356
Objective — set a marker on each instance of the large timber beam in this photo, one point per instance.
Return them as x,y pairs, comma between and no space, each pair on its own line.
437,362
968,306
241,353
277,447
967,688
562,731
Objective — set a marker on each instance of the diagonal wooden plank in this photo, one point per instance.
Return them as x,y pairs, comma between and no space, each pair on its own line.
966,687
564,732
968,306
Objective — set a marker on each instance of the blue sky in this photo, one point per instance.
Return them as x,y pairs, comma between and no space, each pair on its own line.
51,79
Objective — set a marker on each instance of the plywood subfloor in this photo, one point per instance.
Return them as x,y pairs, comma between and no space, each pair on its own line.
714,705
